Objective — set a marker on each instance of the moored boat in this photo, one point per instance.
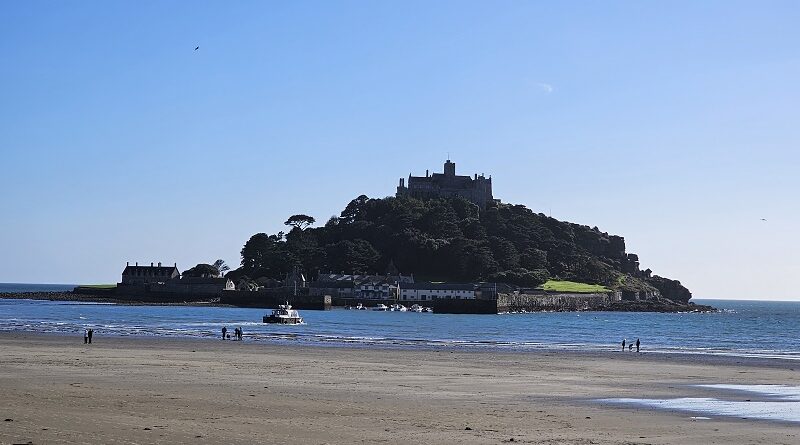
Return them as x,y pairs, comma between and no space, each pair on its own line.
381,307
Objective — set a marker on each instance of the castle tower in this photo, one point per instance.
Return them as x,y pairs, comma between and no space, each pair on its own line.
449,168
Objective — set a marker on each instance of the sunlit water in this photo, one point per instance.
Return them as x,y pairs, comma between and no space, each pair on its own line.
775,402
747,328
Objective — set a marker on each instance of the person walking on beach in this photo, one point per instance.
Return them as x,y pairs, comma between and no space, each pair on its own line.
623,345
85,336
240,334
637,345
224,331
89,333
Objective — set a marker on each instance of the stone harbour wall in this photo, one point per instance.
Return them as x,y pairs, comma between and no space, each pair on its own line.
555,301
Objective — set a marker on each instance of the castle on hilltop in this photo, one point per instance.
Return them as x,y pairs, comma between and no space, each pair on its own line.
477,189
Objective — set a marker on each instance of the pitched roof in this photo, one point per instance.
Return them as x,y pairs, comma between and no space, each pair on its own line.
150,270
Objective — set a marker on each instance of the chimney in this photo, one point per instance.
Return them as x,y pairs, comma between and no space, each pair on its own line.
127,263
476,176
176,265
426,173
137,264
151,264
159,264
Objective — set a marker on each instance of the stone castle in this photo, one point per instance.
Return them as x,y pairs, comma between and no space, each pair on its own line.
477,189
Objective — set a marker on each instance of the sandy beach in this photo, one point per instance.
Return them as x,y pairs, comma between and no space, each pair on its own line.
55,389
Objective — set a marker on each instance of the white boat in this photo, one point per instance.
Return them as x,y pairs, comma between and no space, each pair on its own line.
399,308
358,307
381,307
284,315
427,309
416,308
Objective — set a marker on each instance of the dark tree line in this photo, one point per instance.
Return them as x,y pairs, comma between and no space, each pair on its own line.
441,240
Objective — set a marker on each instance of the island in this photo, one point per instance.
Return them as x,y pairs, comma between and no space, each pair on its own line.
443,240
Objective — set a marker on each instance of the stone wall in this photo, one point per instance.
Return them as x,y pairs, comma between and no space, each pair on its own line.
555,301
529,302
272,300
446,306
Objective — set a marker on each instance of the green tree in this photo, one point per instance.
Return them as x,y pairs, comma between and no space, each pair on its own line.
202,270
267,256
221,267
300,221
356,255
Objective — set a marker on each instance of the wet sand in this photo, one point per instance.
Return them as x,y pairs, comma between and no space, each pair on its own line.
55,389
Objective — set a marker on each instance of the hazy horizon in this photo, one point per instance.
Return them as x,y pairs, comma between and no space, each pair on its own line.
673,125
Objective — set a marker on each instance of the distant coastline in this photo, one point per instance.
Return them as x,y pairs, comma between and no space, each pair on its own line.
70,296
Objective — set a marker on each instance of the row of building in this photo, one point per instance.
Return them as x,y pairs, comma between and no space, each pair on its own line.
157,278
389,287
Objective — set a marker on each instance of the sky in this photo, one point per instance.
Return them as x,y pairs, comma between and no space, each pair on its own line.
674,124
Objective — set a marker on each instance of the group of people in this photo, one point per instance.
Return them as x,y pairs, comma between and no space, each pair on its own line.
87,336
237,333
630,345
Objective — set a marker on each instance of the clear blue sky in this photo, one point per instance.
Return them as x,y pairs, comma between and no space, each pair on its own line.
674,124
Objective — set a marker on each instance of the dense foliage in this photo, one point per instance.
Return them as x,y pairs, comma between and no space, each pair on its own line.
202,270
444,240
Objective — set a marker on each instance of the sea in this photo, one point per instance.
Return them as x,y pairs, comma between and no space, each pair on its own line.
765,329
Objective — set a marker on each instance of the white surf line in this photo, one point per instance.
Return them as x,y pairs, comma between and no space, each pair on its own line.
784,405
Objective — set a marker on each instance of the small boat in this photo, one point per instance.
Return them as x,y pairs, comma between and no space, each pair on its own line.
381,307
416,308
284,315
399,308
427,309
358,307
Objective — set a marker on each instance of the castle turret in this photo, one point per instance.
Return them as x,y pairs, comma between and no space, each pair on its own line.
449,168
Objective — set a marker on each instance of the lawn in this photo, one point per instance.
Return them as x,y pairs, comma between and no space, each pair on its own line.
98,286
571,286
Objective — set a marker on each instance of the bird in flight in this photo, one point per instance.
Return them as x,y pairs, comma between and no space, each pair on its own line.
196,48
763,219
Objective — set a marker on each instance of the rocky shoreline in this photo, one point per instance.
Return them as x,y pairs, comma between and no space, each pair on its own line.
93,298
660,305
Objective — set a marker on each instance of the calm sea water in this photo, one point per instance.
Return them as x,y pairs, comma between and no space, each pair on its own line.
24,287
747,328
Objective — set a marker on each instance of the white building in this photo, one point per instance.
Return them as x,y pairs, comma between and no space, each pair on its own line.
431,291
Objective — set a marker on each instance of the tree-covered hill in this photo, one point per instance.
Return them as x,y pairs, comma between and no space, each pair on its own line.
451,240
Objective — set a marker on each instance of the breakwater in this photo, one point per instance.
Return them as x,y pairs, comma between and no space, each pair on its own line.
262,299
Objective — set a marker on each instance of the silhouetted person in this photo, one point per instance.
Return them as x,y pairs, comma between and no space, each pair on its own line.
85,336
91,331
637,345
224,331
623,345
240,333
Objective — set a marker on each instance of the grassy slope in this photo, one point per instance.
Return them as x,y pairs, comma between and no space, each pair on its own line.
571,286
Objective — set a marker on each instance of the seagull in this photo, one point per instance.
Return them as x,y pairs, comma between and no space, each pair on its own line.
196,48
763,219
